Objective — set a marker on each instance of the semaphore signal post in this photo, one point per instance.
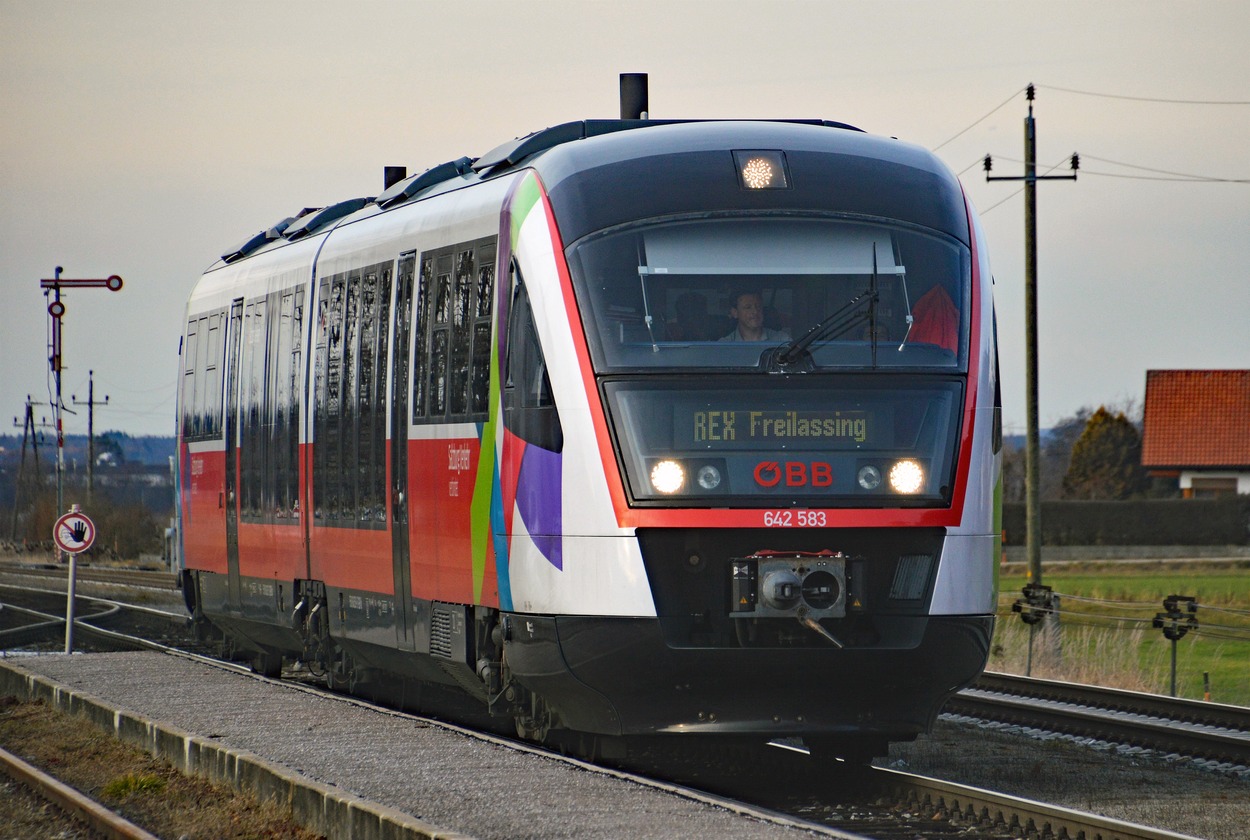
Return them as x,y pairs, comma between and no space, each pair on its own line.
69,541
56,309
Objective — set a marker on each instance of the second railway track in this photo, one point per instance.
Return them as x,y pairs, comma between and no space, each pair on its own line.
1167,725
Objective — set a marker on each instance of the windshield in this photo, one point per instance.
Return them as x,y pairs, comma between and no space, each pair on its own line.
726,292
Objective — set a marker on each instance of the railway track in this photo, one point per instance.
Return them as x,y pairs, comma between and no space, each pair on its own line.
99,820
136,578
1011,816
1171,726
891,804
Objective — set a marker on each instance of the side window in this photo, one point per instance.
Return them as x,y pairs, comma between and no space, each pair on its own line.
452,327
421,331
201,397
190,420
213,409
479,375
349,416
284,413
204,415
252,409
529,407
440,338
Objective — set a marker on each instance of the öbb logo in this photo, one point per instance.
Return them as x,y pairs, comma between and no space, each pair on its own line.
794,474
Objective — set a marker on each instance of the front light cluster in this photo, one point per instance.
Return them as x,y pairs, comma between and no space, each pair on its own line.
905,477
669,477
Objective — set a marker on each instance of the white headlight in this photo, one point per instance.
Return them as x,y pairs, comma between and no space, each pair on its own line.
708,477
906,476
668,477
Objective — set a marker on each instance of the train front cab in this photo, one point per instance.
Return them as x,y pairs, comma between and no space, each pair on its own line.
814,512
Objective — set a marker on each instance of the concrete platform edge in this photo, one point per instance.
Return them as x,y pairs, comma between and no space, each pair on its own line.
320,808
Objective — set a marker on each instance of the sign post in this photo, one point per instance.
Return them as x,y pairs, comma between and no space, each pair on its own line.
73,533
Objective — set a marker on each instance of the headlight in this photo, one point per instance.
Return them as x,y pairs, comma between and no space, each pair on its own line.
708,477
869,477
668,477
906,476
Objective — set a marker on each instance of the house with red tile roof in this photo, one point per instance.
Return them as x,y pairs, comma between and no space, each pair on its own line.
1196,429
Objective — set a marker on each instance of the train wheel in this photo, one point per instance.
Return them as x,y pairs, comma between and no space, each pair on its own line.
340,671
531,729
534,723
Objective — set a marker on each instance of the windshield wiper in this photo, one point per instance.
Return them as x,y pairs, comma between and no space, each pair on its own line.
833,326
646,304
838,323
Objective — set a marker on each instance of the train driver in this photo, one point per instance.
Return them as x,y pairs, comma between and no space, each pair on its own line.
748,311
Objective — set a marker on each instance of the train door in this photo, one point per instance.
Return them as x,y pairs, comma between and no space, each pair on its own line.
234,339
400,377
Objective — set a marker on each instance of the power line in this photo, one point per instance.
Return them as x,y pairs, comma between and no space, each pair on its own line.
976,162
1146,98
1178,176
1178,180
1014,94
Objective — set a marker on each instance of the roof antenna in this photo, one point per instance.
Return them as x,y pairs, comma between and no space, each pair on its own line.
392,175
634,96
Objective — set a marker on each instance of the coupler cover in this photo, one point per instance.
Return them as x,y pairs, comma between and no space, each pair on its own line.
771,584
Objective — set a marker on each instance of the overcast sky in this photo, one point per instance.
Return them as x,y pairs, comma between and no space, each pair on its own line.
143,137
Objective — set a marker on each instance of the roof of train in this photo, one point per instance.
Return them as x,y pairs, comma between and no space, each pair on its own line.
577,158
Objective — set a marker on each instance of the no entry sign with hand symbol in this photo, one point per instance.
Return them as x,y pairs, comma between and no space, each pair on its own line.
74,532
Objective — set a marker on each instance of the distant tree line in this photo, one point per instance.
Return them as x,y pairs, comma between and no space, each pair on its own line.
1094,491
1091,455
131,502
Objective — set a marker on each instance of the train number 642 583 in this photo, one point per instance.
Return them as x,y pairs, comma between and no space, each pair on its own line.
794,519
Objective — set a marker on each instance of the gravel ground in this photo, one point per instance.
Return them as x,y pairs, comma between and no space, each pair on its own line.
1138,787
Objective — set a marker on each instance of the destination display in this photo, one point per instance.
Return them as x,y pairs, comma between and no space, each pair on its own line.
730,427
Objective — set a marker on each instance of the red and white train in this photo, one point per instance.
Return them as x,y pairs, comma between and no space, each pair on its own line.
625,427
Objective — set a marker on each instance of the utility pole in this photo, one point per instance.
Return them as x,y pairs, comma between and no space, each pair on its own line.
90,404
1033,504
30,435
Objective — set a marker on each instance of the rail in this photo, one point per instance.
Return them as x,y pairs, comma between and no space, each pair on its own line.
1198,729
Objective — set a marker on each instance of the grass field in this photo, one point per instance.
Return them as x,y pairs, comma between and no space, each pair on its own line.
1105,635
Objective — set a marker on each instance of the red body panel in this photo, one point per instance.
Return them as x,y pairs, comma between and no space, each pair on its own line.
352,558
272,552
441,475
203,508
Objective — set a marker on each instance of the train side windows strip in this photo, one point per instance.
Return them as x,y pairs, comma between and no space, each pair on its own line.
269,402
529,408
201,397
189,418
452,333
349,415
